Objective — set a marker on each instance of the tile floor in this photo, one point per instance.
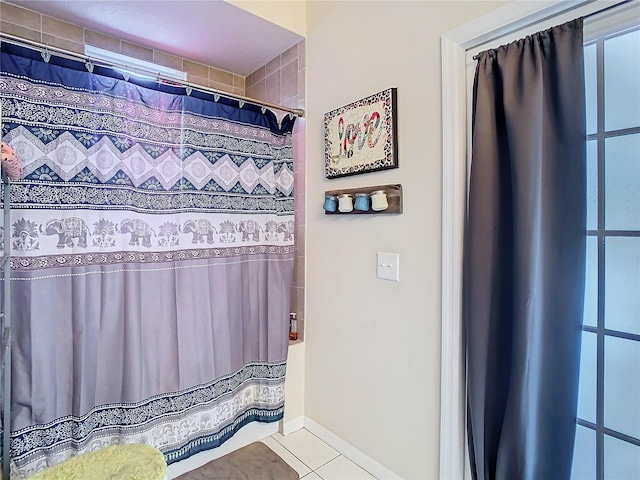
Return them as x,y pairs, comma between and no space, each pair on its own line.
313,459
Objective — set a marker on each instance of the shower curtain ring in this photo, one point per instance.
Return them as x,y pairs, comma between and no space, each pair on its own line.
216,97
89,65
241,103
188,89
46,56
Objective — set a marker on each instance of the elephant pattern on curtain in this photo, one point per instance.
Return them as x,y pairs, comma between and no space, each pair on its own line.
152,259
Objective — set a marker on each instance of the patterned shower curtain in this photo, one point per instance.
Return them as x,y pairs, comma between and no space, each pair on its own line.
152,260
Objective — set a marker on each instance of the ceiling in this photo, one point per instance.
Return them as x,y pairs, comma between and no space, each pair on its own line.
212,32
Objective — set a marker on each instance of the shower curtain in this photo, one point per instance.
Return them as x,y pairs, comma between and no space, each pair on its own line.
152,260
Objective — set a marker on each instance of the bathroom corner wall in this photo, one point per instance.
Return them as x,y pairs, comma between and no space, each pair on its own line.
282,81
34,26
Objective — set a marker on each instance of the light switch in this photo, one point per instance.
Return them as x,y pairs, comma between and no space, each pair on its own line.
389,266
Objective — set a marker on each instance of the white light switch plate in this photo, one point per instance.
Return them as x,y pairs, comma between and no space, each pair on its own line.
389,266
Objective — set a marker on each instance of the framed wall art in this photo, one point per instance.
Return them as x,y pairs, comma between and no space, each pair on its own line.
362,137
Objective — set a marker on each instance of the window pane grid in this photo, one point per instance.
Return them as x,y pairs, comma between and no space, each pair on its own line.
613,233
612,333
601,270
613,133
608,431
601,234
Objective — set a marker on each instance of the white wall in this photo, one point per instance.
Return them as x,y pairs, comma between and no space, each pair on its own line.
294,389
373,346
290,14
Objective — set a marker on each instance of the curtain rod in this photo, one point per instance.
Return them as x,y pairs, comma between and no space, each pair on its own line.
585,17
5,37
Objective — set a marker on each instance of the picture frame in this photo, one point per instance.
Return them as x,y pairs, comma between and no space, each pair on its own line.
362,136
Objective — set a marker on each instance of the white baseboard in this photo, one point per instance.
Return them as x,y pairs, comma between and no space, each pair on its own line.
352,453
292,425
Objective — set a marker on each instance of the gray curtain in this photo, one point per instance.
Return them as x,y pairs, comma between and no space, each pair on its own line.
524,259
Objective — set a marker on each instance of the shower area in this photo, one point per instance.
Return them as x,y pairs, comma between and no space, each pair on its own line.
155,240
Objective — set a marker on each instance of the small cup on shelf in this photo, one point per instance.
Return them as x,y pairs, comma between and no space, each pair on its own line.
330,203
363,202
379,200
345,203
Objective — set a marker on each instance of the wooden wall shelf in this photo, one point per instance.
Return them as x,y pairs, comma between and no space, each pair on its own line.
394,198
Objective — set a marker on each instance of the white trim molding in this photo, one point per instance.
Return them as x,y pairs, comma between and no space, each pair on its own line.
454,193
516,16
292,425
352,453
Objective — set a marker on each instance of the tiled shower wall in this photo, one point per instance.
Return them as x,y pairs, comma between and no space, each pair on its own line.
31,25
282,81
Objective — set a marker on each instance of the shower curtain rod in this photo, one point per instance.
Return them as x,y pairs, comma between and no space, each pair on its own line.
5,37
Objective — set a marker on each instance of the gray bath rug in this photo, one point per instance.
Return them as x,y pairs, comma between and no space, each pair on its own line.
253,462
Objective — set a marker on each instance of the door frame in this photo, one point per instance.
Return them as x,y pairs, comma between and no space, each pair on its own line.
454,44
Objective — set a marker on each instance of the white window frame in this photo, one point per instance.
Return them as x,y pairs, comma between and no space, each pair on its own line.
512,18
133,65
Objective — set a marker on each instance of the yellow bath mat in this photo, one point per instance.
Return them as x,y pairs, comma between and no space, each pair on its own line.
121,462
